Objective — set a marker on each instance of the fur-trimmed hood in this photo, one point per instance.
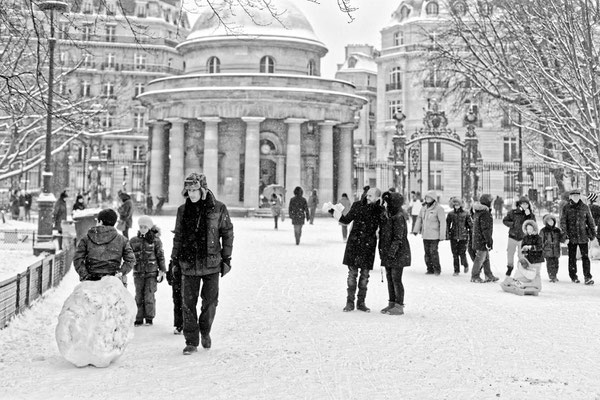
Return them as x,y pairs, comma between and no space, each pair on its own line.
532,223
549,217
456,201
477,206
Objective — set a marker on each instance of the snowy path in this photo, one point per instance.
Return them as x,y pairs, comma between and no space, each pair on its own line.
280,334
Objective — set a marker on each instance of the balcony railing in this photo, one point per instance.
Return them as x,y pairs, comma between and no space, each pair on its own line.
431,83
139,39
393,86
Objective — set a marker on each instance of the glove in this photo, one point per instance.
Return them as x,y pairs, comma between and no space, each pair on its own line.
160,277
169,274
225,266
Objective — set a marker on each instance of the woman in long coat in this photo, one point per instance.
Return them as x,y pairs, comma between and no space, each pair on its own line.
394,251
298,212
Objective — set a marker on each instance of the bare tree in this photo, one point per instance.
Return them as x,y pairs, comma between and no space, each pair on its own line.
538,57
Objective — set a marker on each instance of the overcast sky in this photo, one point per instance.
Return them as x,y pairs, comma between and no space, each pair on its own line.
332,26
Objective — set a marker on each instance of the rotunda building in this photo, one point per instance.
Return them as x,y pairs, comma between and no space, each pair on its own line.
250,110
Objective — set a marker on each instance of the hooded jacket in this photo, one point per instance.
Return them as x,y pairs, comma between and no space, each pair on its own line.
458,222
218,236
515,218
126,209
394,249
431,222
149,254
577,223
483,227
100,252
298,208
534,254
551,236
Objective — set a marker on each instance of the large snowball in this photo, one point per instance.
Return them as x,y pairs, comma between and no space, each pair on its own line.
96,322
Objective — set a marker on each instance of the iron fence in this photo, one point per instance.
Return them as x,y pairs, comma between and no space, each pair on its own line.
18,293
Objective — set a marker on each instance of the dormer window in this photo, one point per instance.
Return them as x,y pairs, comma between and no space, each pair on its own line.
351,62
459,8
432,8
267,65
398,38
404,12
312,68
214,65
485,9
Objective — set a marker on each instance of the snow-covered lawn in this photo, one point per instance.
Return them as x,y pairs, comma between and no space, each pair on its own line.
280,333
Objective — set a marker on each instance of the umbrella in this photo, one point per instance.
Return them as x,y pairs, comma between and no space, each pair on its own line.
274,188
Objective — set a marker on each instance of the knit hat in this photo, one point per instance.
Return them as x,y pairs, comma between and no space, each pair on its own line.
108,217
146,221
486,200
592,197
195,181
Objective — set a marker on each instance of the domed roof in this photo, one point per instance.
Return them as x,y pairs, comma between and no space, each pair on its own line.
258,20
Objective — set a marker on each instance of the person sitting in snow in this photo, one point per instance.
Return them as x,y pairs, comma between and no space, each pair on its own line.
100,252
551,236
527,278
149,268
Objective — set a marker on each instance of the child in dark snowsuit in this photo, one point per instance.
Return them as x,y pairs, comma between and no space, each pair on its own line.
552,236
149,269
459,226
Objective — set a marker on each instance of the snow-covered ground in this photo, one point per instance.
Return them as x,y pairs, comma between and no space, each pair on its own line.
280,333
18,256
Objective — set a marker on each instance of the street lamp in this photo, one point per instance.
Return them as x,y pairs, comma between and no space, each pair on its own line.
46,199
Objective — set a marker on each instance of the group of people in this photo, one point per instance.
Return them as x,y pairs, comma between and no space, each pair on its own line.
20,205
201,254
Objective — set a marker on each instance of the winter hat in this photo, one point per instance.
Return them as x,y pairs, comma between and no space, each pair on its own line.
146,221
108,217
394,202
455,201
195,181
592,197
432,195
486,200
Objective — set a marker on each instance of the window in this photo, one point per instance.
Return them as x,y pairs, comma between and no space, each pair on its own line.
510,149
434,79
110,8
111,33
395,82
139,153
85,88
168,16
432,8
139,60
214,65
110,60
351,62
459,8
107,120
62,58
398,38
107,151
80,154
435,180
141,10
138,119
108,89
312,68
62,88
404,12
485,9
138,89
393,107
63,30
87,7
435,151
267,65
87,32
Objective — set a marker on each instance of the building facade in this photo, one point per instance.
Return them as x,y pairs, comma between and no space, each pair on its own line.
251,110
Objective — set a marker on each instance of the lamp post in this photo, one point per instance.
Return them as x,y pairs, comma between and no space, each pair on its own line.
46,199
399,142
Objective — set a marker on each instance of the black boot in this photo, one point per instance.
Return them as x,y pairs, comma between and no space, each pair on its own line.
349,306
509,269
362,307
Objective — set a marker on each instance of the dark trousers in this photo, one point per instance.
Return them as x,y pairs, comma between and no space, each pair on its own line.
313,211
275,218
414,221
585,260
363,281
344,231
145,287
192,325
177,299
552,266
432,257
459,254
482,259
297,233
394,284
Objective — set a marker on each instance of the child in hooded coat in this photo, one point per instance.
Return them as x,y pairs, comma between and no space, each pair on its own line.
149,268
459,226
552,237
527,277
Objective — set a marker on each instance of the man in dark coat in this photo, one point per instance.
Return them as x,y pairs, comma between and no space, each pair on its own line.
394,251
202,247
100,252
514,221
298,212
482,241
359,256
578,226
458,228
126,212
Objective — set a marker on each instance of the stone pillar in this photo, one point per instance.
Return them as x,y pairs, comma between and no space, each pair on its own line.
211,152
157,160
326,161
252,161
192,158
293,168
176,157
345,167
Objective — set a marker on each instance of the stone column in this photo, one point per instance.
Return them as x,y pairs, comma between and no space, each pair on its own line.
345,167
326,161
157,160
293,168
211,152
192,158
176,157
252,161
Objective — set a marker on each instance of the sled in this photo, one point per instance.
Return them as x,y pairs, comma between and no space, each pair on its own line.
520,291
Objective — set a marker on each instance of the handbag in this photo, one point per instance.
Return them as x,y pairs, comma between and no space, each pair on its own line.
121,225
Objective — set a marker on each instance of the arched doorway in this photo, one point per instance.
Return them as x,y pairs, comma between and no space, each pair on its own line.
272,163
